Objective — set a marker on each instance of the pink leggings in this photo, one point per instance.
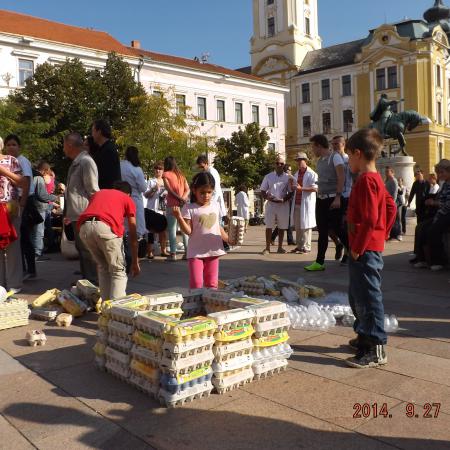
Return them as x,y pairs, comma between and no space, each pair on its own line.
204,272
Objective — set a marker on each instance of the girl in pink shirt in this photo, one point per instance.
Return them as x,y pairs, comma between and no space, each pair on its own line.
200,221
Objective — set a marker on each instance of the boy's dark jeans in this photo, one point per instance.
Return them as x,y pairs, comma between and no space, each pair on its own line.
366,299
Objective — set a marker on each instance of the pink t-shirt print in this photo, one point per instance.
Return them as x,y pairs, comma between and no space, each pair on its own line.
205,240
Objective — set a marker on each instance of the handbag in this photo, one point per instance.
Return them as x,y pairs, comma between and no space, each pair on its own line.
31,215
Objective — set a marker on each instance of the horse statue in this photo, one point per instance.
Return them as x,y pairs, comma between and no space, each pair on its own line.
394,125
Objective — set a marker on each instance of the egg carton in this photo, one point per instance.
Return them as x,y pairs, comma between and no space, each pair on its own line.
265,354
314,291
120,343
173,384
147,371
144,384
45,314
191,312
124,315
102,336
244,302
173,314
277,326
266,369
36,337
192,297
164,301
233,325
187,348
268,312
71,303
223,352
102,323
233,381
99,349
120,329
236,230
120,372
146,355
232,364
13,323
88,291
64,320
149,341
185,366
188,395
216,300
116,357
270,340
132,301
153,323
190,329
100,362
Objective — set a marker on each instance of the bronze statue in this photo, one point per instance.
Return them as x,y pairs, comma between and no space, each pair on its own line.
394,125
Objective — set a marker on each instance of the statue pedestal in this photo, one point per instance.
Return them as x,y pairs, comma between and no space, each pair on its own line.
403,167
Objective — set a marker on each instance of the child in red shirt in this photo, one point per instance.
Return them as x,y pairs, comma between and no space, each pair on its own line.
371,215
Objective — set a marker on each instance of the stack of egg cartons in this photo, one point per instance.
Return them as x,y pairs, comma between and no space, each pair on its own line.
253,287
216,300
236,230
13,313
192,303
186,360
271,351
166,303
232,349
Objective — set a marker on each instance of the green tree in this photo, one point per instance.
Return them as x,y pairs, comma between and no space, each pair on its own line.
242,159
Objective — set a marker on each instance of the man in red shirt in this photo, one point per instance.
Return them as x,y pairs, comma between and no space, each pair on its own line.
101,228
371,215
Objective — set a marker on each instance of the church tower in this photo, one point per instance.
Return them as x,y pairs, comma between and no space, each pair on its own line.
284,31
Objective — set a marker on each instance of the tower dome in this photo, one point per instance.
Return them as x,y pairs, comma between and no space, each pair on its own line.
437,13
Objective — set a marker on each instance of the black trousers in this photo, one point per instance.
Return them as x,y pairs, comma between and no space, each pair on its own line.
328,219
429,234
28,253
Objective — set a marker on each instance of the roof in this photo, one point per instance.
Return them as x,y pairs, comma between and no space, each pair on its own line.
247,69
34,27
330,57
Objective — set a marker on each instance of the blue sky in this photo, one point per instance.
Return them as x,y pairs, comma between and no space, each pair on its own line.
221,27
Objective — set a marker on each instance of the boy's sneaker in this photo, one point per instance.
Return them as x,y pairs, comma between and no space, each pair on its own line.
315,267
420,265
368,358
436,267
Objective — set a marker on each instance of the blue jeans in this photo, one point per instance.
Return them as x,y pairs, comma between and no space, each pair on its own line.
37,235
172,225
366,299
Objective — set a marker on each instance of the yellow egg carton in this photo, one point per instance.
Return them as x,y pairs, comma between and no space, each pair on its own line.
143,384
46,298
71,303
120,329
120,343
102,323
233,364
266,369
190,329
149,341
117,357
174,313
154,322
232,380
244,302
204,371
185,366
225,351
314,291
145,355
271,340
134,302
99,348
164,301
146,371
233,325
184,349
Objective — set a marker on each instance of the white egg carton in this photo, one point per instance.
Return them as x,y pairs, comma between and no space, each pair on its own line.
187,348
216,300
185,396
193,296
145,355
232,381
116,357
134,302
193,311
236,230
269,311
120,329
120,343
143,384
124,315
265,369
88,291
223,352
239,362
186,365
233,325
102,336
263,329
245,302
153,322
164,301
123,373
280,351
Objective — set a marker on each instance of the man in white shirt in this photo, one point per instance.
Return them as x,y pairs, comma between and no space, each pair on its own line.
275,188
242,204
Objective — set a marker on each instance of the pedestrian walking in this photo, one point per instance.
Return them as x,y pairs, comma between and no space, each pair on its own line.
391,184
419,191
242,204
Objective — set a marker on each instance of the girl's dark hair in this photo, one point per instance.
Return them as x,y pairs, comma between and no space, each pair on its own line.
132,155
170,165
202,179
159,165
12,137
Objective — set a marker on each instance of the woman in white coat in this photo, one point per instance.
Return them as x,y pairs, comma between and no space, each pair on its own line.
303,214
132,173
242,204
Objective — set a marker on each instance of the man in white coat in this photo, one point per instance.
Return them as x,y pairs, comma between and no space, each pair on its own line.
242,204
303,215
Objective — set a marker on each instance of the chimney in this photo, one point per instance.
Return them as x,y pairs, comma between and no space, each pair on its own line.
135,44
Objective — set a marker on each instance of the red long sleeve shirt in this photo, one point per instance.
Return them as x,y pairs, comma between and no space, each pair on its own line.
371,214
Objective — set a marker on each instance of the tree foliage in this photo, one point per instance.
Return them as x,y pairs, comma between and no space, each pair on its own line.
242,159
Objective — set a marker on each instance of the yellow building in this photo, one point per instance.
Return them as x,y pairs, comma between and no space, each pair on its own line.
334,89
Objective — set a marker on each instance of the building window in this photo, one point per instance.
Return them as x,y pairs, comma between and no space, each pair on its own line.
439,112
347,85
326,93
381,79
26,70
392,77
271,113
306,94
201,107
181,104
307,26
326,123
221,110
271,147
255,113
348,120
271,26
238,112
306,126
438,76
